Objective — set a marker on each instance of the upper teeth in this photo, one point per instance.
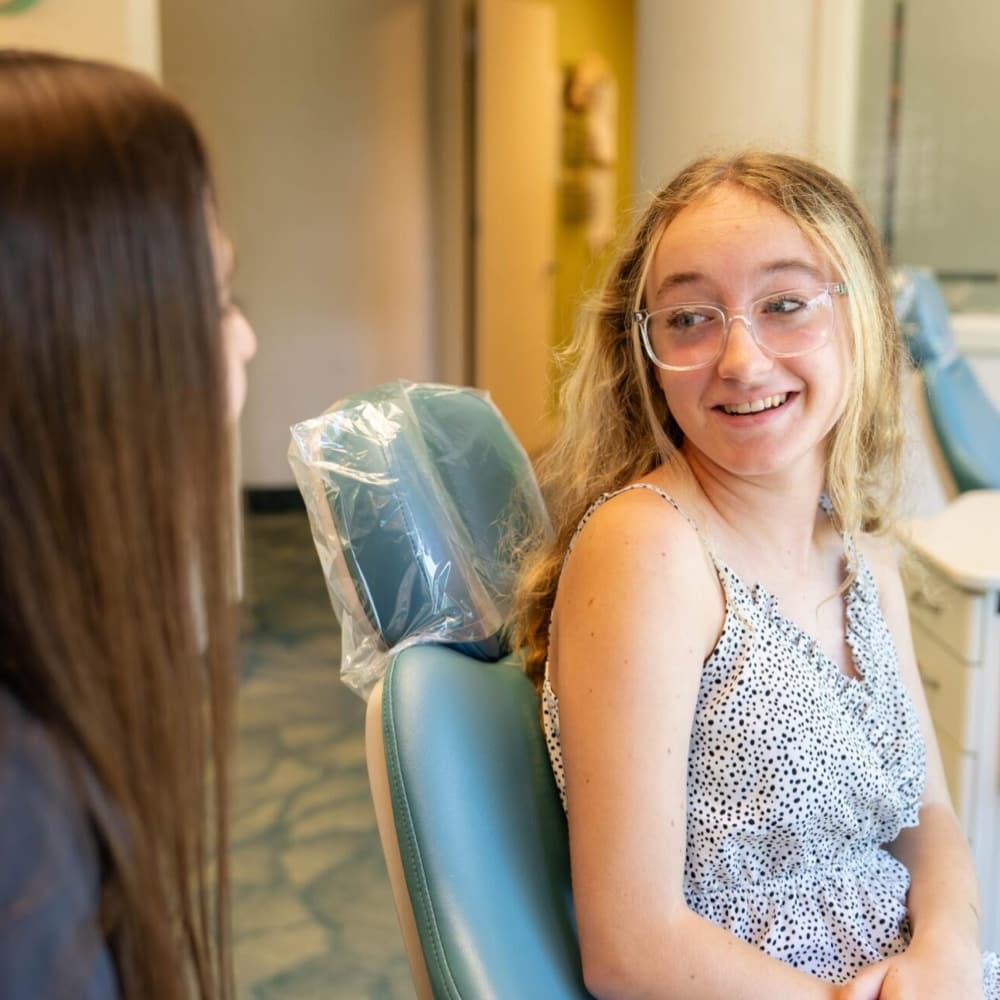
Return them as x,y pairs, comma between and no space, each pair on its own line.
756,405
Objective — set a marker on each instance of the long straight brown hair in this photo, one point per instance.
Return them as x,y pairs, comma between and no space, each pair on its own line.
116,534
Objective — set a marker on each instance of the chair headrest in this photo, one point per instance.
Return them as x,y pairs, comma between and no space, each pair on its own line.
923,315
419,496
966,422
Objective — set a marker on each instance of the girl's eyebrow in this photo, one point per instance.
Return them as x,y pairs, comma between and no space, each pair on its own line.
671,281
792,264
679,278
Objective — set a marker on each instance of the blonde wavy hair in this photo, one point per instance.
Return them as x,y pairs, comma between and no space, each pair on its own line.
615,423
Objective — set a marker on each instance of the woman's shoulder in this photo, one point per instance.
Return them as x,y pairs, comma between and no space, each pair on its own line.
638,517
664,501
43,825
639,547
49,869
33,771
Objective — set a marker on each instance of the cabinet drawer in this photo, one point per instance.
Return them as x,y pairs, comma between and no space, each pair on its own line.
952,687
960,771
952,615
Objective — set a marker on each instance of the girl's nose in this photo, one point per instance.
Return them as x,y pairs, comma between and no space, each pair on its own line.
742,358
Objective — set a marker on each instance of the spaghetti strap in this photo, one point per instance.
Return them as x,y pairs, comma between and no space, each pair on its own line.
717,563
846,538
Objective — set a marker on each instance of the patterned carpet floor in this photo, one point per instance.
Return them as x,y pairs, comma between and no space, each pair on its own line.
313,913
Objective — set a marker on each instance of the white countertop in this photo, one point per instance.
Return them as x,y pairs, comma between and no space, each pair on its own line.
977,333
963,540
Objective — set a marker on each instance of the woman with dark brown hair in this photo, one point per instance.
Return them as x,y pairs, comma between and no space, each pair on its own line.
121,372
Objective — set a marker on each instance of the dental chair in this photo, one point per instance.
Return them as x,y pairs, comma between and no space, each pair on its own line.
469,817
954,427
472,830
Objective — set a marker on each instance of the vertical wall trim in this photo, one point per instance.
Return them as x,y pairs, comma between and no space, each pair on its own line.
470,55
142,35
450,177
834,110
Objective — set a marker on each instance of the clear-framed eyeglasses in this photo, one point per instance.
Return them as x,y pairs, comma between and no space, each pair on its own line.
786,324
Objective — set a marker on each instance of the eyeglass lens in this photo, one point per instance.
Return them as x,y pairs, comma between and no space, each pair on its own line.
786,324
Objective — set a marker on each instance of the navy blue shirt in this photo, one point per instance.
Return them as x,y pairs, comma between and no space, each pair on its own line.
50,942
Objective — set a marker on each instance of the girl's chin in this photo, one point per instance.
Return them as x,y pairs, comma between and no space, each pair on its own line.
750,463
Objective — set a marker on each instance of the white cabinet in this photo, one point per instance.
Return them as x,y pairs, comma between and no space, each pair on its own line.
953,590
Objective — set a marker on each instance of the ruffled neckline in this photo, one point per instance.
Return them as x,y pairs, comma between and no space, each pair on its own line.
866,697
860,597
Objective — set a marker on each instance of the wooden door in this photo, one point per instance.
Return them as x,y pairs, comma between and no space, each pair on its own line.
515,172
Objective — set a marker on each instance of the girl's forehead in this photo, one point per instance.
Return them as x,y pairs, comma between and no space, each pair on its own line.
732,213
731,229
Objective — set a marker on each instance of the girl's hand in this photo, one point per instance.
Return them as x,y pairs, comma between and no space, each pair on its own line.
867,984
931,971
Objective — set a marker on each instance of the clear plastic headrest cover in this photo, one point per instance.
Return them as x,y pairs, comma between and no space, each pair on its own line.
419,498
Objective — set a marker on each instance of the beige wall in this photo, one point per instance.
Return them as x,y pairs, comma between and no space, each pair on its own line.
123,31
720,74
316,113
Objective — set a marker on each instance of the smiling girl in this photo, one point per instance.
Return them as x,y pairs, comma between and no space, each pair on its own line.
755,799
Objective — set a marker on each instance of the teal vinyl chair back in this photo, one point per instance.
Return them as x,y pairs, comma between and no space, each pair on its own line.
469,816
965,421
472,828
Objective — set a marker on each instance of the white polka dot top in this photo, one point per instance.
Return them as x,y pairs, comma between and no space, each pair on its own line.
797,774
